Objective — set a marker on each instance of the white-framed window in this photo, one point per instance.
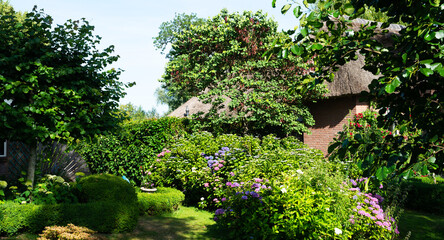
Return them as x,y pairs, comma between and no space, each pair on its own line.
3,148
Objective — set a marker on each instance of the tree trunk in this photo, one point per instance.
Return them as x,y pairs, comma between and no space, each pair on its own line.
32,163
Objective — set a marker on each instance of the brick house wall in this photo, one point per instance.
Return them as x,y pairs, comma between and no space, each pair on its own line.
330,115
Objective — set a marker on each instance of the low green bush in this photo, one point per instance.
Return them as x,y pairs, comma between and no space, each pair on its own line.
105,217
162,201
123,152
425,195
105,187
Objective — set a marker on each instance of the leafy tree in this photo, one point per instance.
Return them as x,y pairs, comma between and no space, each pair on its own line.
409,91
167,35
223,59
169,30
53,81
137,114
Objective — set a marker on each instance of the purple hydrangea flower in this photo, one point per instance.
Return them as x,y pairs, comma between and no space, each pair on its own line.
219,211
244,197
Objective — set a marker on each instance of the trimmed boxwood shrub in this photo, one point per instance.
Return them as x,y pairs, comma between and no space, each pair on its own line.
105,187
105,217
424,195
162,201
123,152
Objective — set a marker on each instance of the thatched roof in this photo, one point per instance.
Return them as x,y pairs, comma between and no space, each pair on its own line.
350,79
195,106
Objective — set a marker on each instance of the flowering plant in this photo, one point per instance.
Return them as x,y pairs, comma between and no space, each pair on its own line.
370,149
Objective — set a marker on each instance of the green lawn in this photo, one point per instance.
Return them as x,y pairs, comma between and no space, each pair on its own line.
186,223
192,223
422,226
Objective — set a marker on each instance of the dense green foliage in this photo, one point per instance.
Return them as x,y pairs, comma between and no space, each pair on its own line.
162,201
136,114
167,36
53,78
425,194
123,152
49,189
222,59
105,187
365,145
409,89
54,81
106,217
198,164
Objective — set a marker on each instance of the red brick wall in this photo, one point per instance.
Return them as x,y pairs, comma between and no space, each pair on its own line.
330,115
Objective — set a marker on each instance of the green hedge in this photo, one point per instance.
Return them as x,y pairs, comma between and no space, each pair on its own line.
106,187
123,152
105,217
161,201
426,196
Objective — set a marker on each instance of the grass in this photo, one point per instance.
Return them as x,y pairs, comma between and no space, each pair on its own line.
422,225
186,223
192,223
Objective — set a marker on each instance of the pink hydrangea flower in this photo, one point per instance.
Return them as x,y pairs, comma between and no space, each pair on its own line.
206,184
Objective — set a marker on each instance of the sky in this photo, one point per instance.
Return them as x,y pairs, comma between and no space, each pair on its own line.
131,25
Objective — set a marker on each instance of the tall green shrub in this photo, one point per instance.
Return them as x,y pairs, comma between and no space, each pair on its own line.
123,152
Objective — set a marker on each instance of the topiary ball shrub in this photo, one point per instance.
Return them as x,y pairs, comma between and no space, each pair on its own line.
105,187
69,232
162,201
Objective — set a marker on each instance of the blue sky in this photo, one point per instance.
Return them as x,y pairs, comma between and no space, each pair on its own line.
130,26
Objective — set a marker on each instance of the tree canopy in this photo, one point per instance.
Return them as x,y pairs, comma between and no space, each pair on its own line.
53,79
409,90
222,59
169,30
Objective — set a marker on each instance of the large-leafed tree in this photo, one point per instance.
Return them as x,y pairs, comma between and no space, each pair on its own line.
222,62
54,82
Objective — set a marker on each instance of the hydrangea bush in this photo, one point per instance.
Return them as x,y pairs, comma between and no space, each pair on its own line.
201,165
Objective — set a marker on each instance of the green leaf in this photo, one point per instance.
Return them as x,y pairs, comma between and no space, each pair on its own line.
424,170
305,3
311,1
316,46
389,88
349,9
426,71
396,82
382,173
297,11
285,8
431,160
285,53
273,3
304,32
429,36
345,143
333,146
440,70
404,58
